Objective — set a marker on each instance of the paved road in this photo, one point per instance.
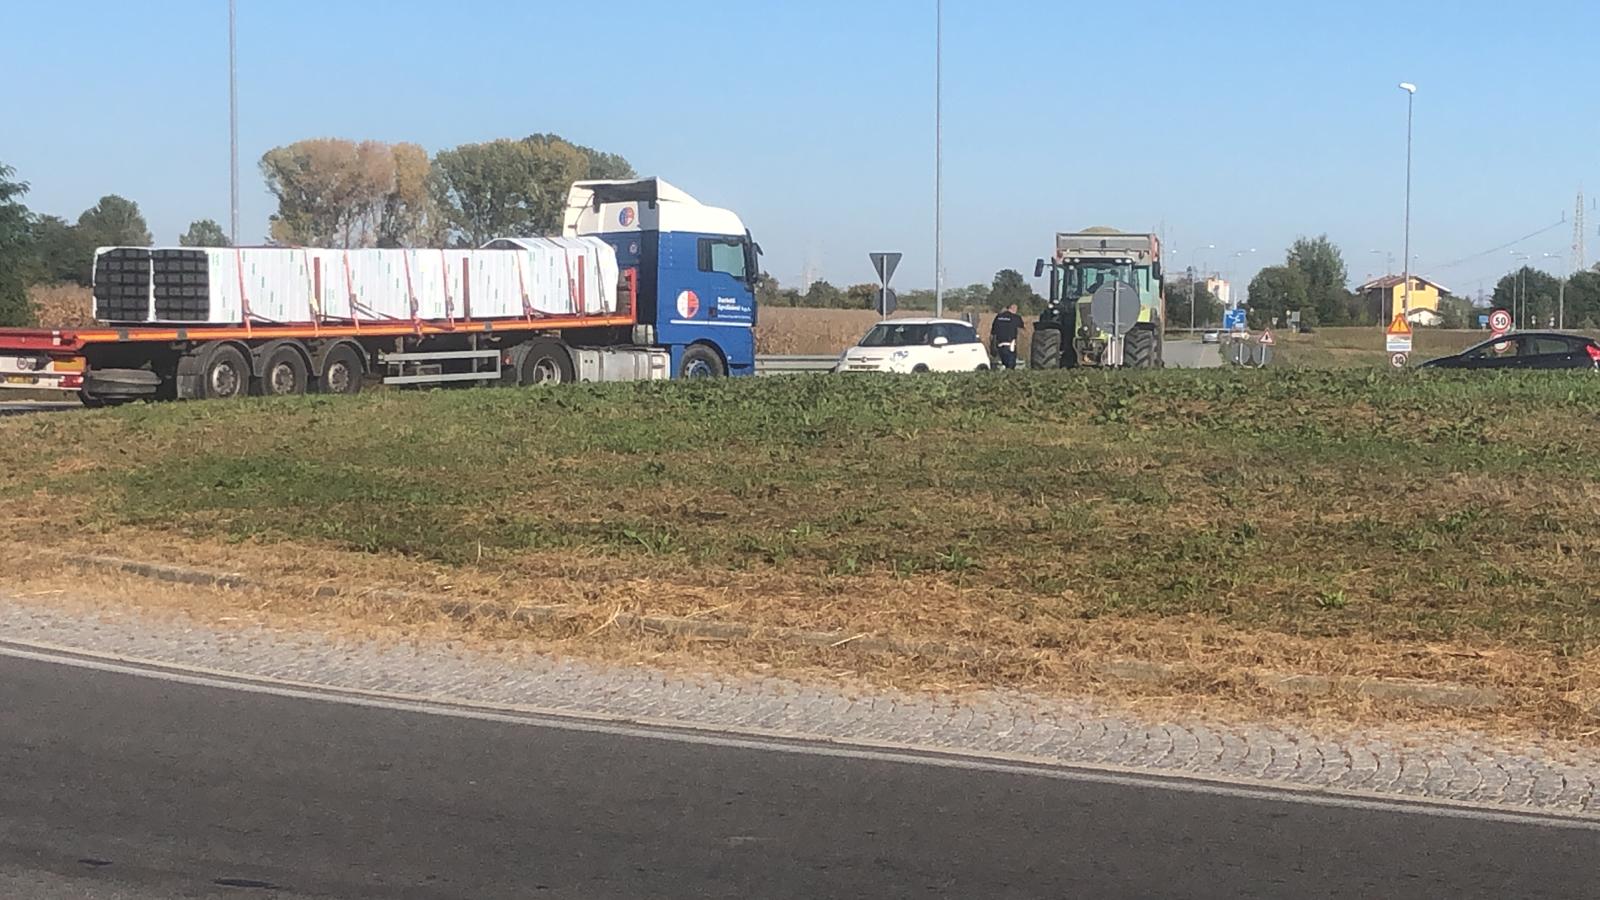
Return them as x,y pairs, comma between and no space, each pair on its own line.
1191,354
119,786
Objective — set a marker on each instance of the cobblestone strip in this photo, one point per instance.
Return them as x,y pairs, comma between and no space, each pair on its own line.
1426,764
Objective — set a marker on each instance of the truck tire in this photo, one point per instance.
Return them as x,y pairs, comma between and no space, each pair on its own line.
224,373
1045,350
700,361
284,373
1139,349
342,371
545,362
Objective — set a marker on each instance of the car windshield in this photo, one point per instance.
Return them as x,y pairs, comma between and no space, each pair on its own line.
891,335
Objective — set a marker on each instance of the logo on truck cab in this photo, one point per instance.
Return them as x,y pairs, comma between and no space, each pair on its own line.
688,304
627,217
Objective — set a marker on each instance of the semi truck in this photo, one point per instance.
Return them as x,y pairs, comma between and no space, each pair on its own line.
1106,302
644,283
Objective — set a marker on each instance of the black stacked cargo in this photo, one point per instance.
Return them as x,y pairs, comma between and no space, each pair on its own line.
122,285
182,285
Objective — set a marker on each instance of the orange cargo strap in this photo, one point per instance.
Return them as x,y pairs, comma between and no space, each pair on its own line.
527,308
411,291
350,293
244,300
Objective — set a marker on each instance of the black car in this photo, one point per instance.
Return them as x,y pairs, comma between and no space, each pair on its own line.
1526,350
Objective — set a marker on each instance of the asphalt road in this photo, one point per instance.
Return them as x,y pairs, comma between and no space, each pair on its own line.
125,787
23,407
1191,354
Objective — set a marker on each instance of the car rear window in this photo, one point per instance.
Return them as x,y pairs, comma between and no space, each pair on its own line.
1547,345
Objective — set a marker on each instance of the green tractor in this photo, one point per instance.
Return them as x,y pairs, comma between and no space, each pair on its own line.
1106,303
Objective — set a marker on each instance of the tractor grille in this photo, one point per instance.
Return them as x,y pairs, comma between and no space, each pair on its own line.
122,285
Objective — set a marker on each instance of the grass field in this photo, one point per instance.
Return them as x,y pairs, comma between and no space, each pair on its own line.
1347,522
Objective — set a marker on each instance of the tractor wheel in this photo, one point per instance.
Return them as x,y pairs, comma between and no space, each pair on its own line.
1139,349
1045,351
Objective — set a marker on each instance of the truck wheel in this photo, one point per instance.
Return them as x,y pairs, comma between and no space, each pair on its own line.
701,361
545,362
341,371
284,374
224,374
1139,349
1045,350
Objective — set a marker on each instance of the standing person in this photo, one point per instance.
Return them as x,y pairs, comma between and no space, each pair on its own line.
1003,336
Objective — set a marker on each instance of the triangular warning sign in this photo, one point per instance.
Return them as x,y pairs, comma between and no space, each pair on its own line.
1400,326
1267,340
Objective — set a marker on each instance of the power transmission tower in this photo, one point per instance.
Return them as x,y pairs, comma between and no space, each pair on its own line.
1579,262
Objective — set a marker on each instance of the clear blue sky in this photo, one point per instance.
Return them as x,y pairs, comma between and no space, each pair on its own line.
1238,124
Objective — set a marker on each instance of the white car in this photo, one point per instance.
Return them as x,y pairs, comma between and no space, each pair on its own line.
917,345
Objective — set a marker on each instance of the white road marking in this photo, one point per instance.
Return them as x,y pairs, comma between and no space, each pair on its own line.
804,745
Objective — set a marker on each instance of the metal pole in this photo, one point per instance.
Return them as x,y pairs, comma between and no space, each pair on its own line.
1191,301
1411,97
938,158
233,123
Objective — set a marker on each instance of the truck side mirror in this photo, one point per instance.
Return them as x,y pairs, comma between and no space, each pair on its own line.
1038,268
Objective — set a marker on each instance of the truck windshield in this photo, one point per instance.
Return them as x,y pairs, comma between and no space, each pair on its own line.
1082,279
891,335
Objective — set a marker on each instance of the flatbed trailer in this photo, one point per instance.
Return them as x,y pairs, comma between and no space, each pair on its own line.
670,250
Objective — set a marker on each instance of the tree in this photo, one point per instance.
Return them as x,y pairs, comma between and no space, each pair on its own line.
1275,291
602,166
1583,300
1530,295
823,295
204,233
1457,312
861,296
1207,308
1327,291
114,222
339,193
16,250
505,188
768,291
1010,287
63,252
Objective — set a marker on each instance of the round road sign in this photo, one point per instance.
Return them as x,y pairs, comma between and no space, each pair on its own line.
1499,322
1398,360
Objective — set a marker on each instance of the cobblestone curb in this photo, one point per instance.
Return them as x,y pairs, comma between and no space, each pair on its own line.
1421,693
1432,764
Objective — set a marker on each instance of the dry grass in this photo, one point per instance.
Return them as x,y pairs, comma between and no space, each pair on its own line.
1237,523
62,305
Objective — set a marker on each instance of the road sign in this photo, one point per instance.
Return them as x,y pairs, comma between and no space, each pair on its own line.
885,263
1398,360
1499,322
1234,319
887,302
1399,337
1266,339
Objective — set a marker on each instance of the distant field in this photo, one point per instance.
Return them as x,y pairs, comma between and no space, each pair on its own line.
1354,522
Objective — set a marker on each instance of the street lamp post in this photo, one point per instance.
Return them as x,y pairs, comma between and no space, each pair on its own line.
1411,96
1519,288
1561,293
233,124
938,158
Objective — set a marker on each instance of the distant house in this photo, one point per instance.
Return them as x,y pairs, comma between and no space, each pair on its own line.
1385,298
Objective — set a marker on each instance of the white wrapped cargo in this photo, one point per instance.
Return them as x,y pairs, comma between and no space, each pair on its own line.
511,278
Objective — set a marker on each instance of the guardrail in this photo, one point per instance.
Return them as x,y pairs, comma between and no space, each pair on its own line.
794,365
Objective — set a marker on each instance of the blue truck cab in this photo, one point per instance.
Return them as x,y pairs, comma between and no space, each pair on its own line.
697,265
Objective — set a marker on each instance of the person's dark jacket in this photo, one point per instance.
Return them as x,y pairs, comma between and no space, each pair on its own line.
1006,327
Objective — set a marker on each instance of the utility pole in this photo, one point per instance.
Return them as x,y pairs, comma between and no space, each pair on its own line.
938,158
1410,103
1579,260
233,122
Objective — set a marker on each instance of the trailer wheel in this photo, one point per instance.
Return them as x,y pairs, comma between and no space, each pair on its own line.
1045,350
545,362
224,373
341,371
700,361
1139,349
284,374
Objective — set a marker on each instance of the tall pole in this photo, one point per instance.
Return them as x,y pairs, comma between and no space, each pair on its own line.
938,158
1411,97
233,122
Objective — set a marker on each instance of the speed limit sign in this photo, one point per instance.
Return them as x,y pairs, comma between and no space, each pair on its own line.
1398,360
1499,322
